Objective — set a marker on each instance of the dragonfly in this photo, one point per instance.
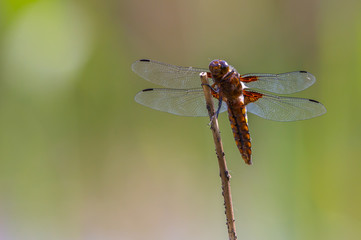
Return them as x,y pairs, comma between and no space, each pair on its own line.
238,94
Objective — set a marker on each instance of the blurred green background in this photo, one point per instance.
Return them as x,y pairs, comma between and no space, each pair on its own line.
79,159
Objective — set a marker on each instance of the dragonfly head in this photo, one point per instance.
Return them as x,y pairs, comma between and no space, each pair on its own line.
218,68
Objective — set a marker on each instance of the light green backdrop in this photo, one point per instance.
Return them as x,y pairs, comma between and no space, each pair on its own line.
79,159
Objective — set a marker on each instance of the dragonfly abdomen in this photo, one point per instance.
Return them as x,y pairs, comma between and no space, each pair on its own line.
238,119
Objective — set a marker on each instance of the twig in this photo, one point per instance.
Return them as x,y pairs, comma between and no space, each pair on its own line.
226,187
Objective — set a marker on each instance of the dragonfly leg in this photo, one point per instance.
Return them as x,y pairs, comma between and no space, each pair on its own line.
211,87
215,115
219,105
215,94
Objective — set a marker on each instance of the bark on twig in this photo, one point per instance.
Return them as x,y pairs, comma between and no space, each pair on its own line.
224,174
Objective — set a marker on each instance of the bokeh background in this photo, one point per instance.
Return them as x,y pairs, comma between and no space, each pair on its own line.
80,159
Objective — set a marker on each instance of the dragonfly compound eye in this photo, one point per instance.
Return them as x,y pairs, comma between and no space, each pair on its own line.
224,66
218,67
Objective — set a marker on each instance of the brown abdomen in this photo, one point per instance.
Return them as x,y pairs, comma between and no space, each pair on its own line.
238,118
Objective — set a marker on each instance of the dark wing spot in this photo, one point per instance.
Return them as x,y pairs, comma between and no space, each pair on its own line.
303,72
311,100
148,89
144,60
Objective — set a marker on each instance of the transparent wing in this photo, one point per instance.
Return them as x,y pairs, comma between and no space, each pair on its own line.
184,102
279,108
284,83
168,75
